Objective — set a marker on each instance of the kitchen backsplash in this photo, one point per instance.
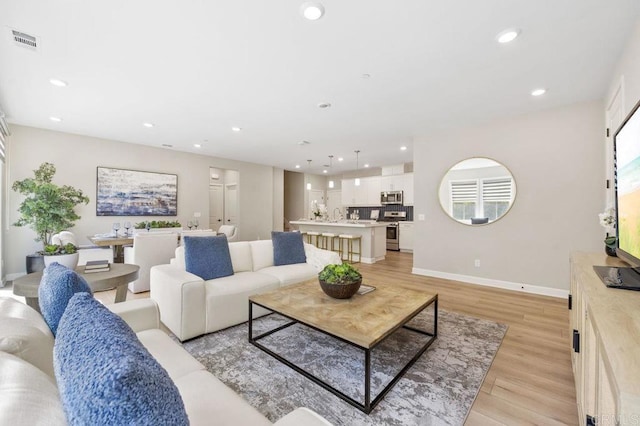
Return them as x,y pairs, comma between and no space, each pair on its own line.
365,212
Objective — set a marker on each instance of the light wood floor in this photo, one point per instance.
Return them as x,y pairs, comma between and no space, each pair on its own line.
530,381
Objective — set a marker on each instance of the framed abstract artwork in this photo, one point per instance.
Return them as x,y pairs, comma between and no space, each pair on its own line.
122,192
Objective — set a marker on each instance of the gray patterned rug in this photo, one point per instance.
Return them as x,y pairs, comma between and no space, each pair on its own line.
438,389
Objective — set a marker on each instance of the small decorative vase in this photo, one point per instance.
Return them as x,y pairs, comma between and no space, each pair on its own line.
340,291
611,251
68,260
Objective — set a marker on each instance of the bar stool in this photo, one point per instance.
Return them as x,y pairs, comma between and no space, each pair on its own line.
350,239
329,240
310,237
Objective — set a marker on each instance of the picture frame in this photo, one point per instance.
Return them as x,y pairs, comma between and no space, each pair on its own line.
123,192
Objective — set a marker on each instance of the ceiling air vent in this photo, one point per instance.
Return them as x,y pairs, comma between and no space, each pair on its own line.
25,40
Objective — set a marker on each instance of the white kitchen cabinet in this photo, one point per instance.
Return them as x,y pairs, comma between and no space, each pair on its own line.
406,236
407,187
348,192
366,194
392,183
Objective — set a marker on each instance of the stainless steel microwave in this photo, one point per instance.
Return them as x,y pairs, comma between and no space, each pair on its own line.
391,197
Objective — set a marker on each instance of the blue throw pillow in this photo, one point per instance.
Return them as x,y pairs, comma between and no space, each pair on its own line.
57,286
288,248
106,376
208,257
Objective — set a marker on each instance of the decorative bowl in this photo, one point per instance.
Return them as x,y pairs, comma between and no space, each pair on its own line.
340,291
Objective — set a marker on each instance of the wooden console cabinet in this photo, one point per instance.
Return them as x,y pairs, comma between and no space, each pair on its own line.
605,329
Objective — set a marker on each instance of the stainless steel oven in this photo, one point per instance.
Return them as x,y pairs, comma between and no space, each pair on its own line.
393,237
393,228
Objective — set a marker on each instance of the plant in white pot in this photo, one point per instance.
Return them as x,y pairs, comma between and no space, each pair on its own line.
48,209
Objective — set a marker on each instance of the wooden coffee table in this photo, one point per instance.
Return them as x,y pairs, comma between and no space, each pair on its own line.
364,321
119,276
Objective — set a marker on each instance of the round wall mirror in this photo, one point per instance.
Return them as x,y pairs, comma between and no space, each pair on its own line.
477,191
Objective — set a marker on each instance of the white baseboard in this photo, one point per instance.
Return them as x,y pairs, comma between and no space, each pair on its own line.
507,285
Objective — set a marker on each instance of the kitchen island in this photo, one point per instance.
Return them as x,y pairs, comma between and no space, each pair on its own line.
374,234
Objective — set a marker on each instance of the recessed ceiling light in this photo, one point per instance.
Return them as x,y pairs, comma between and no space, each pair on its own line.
340,159
236,129
507,36
312,10
56,119
197,145
324,105
403,148
366,165
59,83
297,166
538,92
324,171
148,125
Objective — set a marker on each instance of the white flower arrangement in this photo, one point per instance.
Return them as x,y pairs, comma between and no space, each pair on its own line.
608,219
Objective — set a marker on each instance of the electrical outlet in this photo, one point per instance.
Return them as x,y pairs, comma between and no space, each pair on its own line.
477,263
197,214
420,217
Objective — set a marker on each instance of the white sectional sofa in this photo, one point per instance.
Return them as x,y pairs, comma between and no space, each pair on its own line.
190,306
29,394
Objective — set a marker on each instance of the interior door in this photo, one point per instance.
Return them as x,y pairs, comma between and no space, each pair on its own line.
334,201
216,206
231,204
315,195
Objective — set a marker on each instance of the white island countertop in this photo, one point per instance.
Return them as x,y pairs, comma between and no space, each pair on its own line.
341,223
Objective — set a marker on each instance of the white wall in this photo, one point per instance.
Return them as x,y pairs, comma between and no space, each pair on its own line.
556,160
76,158
628,69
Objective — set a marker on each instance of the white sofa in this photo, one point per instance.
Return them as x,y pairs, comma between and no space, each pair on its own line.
29,394
190,306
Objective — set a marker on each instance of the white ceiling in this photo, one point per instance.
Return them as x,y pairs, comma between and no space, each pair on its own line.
197,68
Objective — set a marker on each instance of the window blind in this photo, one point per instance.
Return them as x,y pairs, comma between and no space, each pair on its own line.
464,192
496,189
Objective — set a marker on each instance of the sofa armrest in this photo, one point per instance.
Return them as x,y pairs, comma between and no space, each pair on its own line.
181,299
140,314
302,416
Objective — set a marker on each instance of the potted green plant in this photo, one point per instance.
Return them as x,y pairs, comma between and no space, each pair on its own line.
340,281
48,209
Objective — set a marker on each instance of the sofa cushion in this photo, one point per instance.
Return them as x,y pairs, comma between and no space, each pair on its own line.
172,357
211,402
57,286
288,248
27,395
262,254
105,375
24,333
208,257
291,274
241,256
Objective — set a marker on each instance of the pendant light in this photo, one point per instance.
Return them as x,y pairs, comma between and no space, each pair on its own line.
357,182
309,169
331,184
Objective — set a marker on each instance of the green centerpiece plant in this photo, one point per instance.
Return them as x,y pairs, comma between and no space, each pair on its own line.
340,281
158,224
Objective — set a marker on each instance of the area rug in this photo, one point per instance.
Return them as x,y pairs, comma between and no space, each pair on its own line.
438,389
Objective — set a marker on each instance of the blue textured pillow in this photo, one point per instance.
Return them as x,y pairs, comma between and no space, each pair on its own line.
208,257
57,286
288,248
106,376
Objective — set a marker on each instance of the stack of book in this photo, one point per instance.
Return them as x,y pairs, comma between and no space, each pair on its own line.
96,266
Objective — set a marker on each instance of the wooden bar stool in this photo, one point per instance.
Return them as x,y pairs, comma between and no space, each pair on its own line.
329,240
310,238
350,239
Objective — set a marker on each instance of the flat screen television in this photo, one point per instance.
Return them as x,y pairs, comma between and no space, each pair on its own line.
626,142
